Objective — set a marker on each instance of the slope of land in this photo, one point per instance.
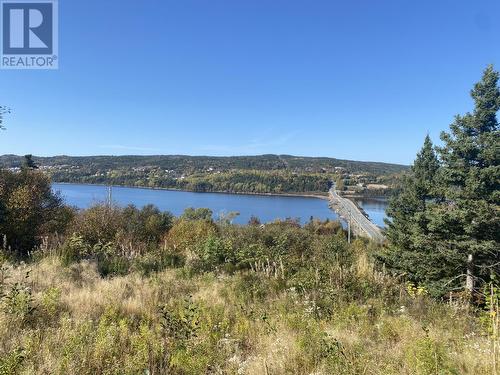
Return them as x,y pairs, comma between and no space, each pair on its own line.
251,174
251,300
193,164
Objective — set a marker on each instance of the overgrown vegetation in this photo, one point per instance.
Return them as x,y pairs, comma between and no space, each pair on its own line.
204,297
28,210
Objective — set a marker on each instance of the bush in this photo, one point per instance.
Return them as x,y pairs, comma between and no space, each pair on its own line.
128,232
29,210
113,266
146,225
156,261
429,357
74,249
187,235
18,303
99,223
12,362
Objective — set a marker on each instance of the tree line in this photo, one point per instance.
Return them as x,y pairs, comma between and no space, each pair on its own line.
234,181
182,164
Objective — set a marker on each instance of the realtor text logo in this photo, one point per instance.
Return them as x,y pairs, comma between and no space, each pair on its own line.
29,34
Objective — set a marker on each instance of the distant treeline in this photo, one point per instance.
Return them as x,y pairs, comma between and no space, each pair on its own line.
192,164
235,182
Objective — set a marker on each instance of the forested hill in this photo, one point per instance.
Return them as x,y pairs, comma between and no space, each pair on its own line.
192,164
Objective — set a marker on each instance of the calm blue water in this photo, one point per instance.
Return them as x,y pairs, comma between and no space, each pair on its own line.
266,208
374,208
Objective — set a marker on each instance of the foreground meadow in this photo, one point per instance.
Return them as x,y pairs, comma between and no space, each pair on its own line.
215,298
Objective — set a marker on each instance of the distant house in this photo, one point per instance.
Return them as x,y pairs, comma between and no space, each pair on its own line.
377,187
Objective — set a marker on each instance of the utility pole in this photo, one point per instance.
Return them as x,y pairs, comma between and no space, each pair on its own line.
110,196
349,227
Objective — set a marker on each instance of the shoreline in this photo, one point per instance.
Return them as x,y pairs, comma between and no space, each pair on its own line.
297,195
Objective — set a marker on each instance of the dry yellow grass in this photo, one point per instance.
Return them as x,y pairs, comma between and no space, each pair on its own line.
278,334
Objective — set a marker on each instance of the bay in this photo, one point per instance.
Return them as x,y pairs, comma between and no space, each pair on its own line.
265,207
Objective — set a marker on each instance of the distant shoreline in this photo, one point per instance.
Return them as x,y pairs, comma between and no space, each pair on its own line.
298,195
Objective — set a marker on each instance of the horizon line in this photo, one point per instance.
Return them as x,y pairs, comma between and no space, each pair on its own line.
206,156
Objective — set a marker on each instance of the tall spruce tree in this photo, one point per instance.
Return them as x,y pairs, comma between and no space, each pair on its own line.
444,231
409,252
468,221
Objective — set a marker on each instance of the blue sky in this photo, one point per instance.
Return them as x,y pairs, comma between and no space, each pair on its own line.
362,80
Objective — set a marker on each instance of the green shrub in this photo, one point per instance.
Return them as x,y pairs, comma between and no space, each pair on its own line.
29,209
187,235
51,303
132,229
213,252
250,287
74,249
18,303
156,261
99,223
11,363
112,265
428,357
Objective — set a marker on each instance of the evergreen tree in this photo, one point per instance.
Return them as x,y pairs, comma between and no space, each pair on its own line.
424,170
29,163
468,221
407,253
445,224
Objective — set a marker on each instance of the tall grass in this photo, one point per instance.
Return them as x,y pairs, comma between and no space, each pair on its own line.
130,291
70,320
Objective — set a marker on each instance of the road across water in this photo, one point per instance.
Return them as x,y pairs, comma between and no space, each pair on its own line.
350,212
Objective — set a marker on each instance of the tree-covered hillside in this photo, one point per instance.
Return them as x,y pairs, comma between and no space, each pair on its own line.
238,174
192,164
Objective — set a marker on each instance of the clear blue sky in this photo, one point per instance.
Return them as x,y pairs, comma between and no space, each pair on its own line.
362,80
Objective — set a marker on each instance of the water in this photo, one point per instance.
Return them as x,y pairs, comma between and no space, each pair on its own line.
375,209
266,208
